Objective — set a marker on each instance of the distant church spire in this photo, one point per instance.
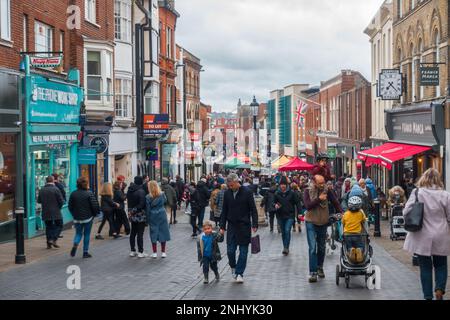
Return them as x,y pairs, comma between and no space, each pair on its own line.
239,103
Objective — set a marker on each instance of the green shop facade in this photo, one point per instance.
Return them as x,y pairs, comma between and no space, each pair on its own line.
52,131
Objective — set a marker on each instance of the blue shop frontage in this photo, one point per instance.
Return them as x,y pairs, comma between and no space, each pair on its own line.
52,133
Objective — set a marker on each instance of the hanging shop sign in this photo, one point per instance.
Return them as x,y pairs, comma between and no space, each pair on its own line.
390,85
429,76
327,134
156,124
332,152
100,144
45,62
87,156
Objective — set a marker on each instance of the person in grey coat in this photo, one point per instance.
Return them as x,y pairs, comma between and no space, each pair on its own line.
239,214
157,218
171,196
432,242
52,201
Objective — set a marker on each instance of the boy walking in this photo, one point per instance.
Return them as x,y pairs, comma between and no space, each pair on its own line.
209,251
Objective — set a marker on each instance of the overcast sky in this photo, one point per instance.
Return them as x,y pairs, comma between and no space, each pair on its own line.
254,46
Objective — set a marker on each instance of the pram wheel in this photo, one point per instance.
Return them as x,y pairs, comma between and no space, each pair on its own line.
338,274
347,281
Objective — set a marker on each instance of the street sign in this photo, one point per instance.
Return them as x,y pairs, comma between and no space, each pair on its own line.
152,154
429,76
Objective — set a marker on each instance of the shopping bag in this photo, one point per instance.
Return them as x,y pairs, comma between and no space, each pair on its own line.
256,244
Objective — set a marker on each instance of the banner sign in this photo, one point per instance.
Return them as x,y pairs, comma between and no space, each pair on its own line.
45,62
156,124
87,156
332,152
429,76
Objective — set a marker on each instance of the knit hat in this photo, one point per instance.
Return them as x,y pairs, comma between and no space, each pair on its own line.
356,191
138,180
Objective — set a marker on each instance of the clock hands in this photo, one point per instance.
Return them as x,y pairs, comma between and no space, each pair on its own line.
391,84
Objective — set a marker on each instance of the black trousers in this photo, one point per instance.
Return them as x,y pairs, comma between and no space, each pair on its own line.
121,219
107,216
52,229
194,223
271,219
173,214
137,229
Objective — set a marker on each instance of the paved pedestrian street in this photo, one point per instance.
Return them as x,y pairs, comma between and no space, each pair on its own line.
112,274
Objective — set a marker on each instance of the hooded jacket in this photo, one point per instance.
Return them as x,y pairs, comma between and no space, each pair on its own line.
170,193
203,194
289,203
136,197
268,202
371,187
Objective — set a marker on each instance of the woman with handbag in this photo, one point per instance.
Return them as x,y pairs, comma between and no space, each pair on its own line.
428,213
136,213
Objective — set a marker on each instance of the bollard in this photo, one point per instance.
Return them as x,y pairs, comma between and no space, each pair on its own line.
20,238
377,231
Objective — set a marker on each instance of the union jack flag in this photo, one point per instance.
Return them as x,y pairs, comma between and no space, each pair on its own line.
301,113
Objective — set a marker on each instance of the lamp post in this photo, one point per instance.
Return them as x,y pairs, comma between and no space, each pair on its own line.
184,117
255,107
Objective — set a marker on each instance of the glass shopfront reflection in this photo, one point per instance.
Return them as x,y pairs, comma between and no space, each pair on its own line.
7,176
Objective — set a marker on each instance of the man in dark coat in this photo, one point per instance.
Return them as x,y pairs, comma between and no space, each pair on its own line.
239,211
203,200
52,201
180,188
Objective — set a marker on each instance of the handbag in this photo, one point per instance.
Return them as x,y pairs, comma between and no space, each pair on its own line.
256,244
414,218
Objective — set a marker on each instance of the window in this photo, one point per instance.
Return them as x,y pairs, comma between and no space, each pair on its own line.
94,75
5,20
90,12
8,174
169,101
108,76
152,99
169,42
25,33
400,8
420,47
61,46
122,15
43,35
413,4
123,98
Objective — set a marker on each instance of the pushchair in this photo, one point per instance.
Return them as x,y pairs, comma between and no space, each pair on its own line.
347,267
397,222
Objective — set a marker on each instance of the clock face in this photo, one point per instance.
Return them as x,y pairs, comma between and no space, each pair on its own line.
390,84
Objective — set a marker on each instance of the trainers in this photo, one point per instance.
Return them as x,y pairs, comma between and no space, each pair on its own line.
194,236
154,255
73,252
205,279
87,255
239,279
142,255
312,278
133,254
271,230
163,255
99,237
216,273
320,273
358,255
233,272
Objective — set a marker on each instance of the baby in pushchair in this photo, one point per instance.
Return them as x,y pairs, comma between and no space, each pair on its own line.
355,236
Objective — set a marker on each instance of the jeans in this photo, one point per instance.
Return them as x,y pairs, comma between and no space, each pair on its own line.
52,229
207,261
317,236
426,265
201,216
286,226
107,216
354,241
83,230
231,253
137,229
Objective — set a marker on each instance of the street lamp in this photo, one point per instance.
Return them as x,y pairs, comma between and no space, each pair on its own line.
255,107
184,116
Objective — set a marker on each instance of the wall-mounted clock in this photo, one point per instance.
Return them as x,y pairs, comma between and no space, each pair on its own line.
390,84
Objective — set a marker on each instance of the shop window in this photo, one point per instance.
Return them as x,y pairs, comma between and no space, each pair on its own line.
151,99
7,176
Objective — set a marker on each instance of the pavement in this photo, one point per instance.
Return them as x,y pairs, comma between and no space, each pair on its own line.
112,274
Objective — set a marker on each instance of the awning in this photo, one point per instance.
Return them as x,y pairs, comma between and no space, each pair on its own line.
389,153
296,164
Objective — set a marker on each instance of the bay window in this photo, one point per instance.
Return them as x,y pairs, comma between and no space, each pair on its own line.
151,104
99,75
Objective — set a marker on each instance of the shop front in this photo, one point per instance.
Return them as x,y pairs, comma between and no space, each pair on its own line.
53,109
123,154
11,170
416,140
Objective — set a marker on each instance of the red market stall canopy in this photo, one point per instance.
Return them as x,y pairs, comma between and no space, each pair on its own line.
389,153
296,164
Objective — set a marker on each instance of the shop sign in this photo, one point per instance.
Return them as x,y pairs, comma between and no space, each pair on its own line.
156,124
331,152
45,62
87,156
100,144
45,139
53,102
429,76
327,134
412,127
365,146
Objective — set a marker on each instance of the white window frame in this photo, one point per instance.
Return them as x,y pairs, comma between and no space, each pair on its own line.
151,102
122,15
123,97
106,75
400,8
90,10
5,20
169,101
169,42
48,37
25,32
